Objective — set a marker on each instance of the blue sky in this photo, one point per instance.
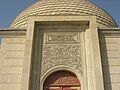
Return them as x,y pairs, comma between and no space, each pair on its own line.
10,8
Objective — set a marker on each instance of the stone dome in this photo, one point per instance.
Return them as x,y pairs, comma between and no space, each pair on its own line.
64,7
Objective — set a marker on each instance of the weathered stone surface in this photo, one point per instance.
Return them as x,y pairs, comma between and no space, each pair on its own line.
110,54
11,61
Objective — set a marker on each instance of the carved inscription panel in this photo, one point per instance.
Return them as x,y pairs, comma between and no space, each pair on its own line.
62,37
61,48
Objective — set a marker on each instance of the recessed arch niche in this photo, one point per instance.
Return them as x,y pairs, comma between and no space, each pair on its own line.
62,80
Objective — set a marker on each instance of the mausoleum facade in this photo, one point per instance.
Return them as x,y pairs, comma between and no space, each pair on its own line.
61,45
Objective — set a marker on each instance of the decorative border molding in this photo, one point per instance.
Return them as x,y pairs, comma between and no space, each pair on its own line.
92,53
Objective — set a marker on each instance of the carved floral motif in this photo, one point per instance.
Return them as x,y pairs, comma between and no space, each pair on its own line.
65,52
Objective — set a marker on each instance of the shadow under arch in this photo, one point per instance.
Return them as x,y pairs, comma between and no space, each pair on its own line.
61,68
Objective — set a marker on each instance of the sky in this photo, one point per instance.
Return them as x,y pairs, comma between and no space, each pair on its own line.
9,9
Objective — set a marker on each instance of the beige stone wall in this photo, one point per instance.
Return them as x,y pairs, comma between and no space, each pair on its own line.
110,54
11,62
0,50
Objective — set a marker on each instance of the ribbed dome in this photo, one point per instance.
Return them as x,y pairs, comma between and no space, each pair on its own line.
64,7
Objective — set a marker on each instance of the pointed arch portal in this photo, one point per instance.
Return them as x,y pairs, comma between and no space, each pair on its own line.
62,80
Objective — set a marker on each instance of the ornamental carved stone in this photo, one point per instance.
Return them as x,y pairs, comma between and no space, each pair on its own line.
61,48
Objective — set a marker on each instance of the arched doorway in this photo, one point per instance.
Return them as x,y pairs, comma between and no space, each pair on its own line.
62,80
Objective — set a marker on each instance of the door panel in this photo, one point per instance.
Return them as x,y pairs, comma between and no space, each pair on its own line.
54,88
70,88
62,88
62,80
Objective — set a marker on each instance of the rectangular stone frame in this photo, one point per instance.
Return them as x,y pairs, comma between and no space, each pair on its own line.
92,50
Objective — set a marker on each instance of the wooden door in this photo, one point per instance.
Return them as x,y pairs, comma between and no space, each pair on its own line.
54,88
63,88
62,80
70,88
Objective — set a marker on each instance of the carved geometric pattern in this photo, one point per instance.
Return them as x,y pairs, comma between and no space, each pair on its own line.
65,52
